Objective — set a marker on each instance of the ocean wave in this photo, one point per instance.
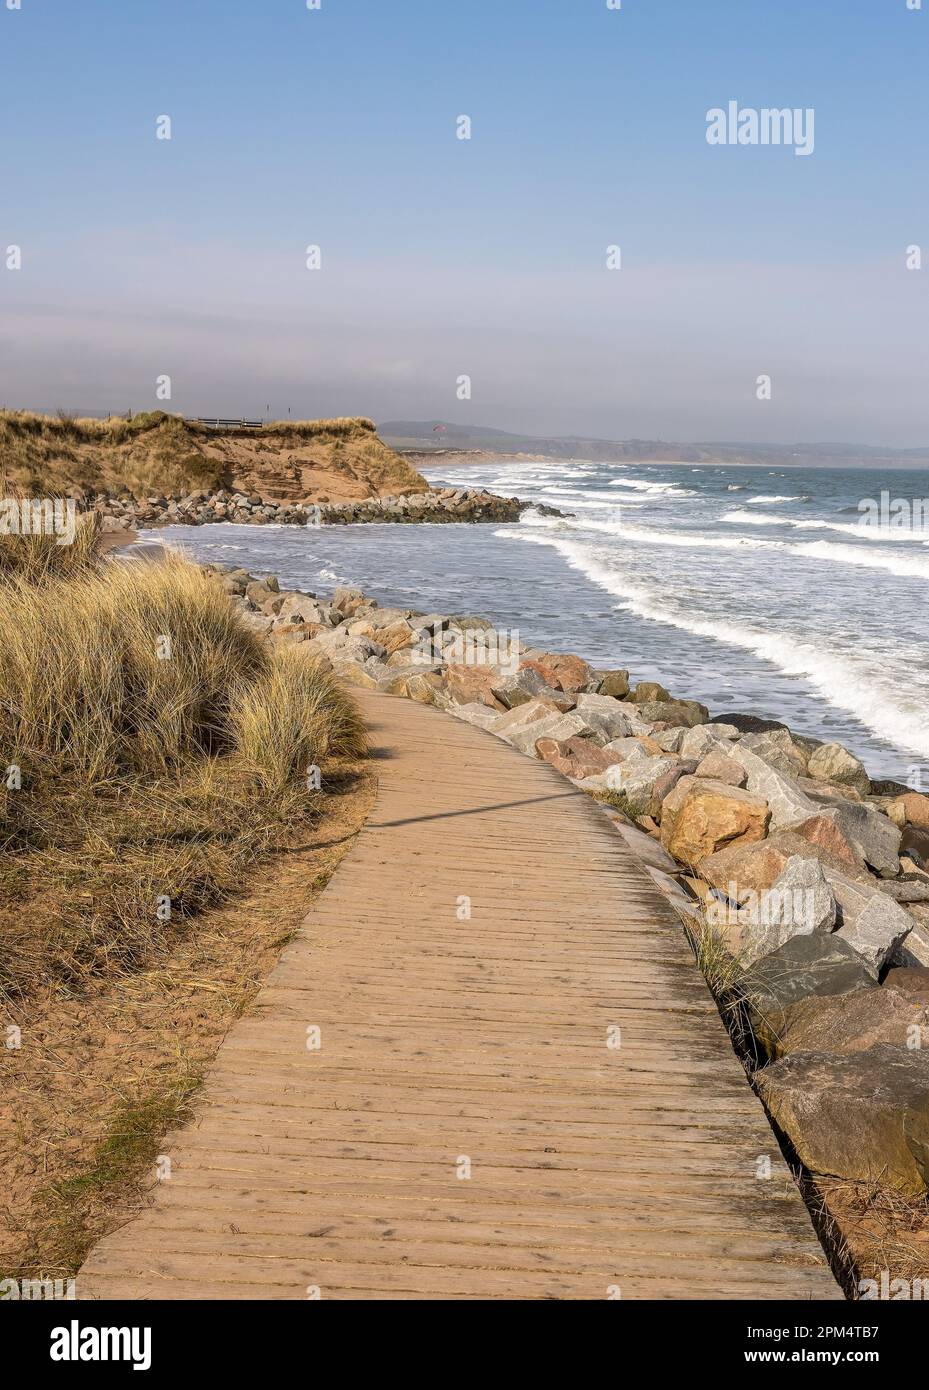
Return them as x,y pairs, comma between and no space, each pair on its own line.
656,489
867,690
759,501
862,529
903,566
651,534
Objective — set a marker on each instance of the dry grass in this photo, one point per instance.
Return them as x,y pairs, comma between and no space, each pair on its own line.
151,452
161,750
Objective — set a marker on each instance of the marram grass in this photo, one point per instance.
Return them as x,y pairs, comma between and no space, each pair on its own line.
152,750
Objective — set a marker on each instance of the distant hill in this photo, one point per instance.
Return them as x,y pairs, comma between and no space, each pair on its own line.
434,436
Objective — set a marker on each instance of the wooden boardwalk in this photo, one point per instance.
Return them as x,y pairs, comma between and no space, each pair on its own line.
464,1129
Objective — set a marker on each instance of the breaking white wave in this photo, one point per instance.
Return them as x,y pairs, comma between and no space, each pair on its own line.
863,529
904,566
862,686
656,489
759,501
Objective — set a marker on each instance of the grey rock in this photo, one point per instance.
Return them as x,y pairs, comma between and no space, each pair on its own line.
878,930
863,1116
785,800
833,763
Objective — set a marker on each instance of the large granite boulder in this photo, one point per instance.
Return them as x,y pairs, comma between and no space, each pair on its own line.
799,902
833,763
862,1116
702,738
680,713
786,801
701,816
779,749
637,777
574,757
853,1022
468,685
878,930
564,672
525,685
857,833
818,963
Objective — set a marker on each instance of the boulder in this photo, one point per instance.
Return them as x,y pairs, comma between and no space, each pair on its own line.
908,888
614,683
608,719
785,800
649,691
798,903
564,672
701,816
779,750
703,738
574,757
862,1116
749,723
665,784
721,768
670,740
469,685
817,963
853,1022
915,842
856,833
636,777
910,809
302,608
348,599
521,715
877,930
622,749
833,763
560,727
475,713
677,714
525,685
426,688
912,982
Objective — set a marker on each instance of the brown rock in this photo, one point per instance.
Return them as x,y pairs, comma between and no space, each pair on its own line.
852,1022
701,816
824,830
473,685
863,1116
647,691
574,757
914,808
910,981
721,768
562,672
615,683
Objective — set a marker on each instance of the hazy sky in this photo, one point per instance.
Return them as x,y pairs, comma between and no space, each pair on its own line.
484,257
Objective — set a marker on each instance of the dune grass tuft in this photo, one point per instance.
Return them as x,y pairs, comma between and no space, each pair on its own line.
152,749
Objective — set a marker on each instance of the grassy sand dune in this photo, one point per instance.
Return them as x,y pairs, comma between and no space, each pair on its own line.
338,459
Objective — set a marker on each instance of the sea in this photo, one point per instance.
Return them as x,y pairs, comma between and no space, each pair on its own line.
794,594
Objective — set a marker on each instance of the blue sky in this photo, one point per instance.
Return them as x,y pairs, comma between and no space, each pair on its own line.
484,257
